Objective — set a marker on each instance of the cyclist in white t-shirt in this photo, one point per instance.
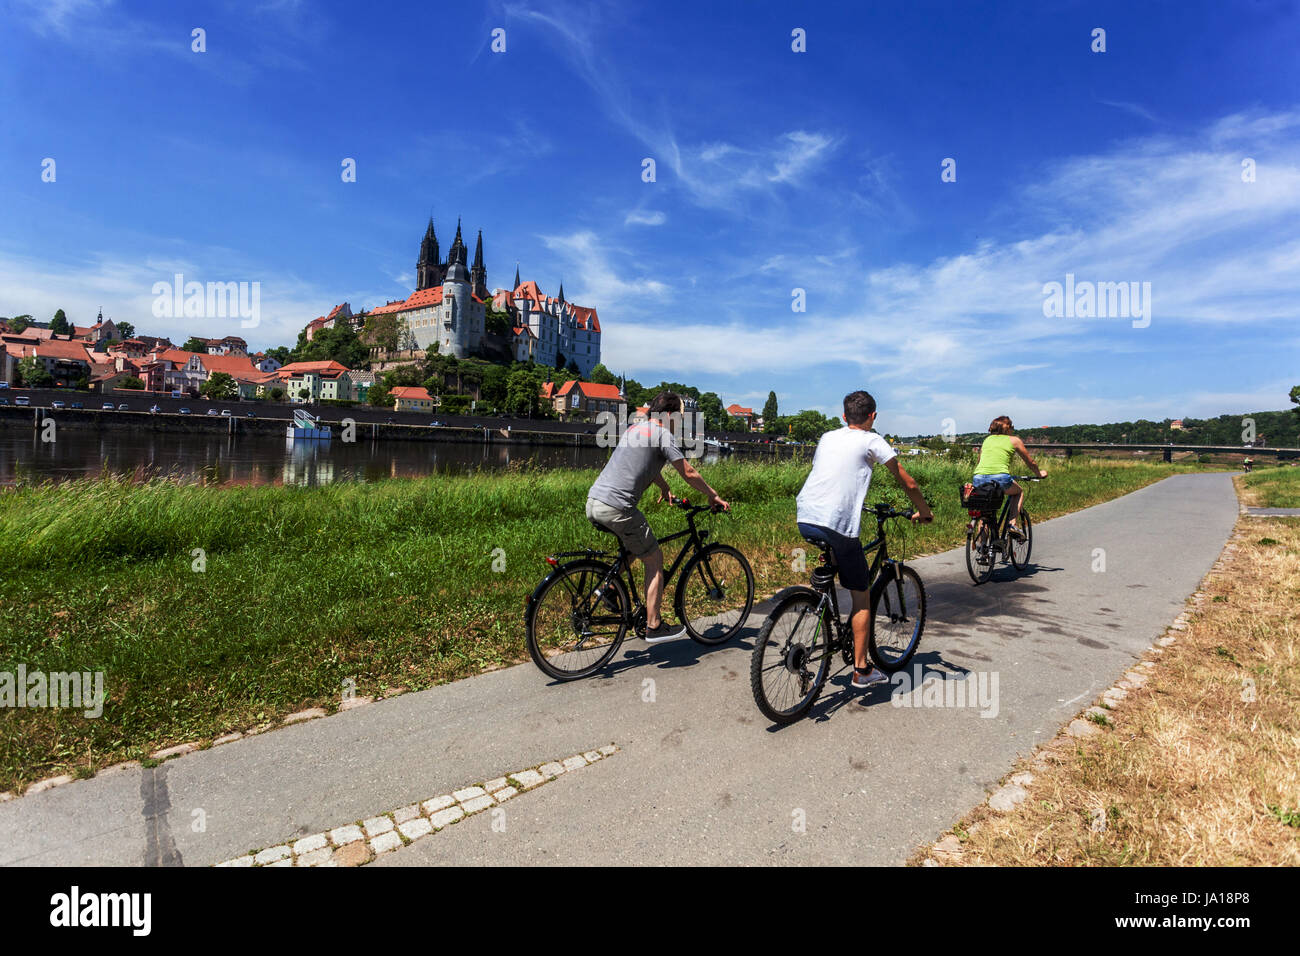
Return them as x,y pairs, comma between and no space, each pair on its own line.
829,509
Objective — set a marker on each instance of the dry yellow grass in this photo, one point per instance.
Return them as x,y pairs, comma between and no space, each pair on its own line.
1198,766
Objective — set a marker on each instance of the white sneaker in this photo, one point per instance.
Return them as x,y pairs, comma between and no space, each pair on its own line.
863,680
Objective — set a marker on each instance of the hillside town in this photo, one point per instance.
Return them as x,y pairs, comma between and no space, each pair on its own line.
453,345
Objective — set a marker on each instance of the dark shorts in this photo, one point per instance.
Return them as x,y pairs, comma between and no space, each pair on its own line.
849,558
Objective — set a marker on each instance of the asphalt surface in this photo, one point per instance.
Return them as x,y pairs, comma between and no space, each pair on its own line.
701,776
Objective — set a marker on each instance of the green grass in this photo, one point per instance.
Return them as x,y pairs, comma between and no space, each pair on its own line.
1276,487
388,584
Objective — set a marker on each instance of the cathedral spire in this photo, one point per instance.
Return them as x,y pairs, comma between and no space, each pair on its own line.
517,283
561,296
478,251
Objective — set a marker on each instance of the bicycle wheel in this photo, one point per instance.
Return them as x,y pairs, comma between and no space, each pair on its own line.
792,657
979,556
1020,549
715,594
897,618
572,631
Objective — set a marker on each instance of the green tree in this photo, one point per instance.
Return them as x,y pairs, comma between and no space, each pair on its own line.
381,330
523,389
281,353
809,425
492,391
195,344
1295,398
18,323
220,385
32,372
603,376
60,325
378,395
277,394
126,330
131,382
770,410
339,344
496,323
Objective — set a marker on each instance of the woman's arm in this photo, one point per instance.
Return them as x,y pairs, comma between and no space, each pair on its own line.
1020,448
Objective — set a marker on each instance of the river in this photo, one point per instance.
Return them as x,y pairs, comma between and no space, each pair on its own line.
260,459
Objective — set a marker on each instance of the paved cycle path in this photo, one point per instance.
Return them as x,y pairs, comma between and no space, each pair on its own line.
701,776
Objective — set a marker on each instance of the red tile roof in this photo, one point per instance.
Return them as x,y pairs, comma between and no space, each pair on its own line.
592,390
585,318
328,369
411,391
64,350
738,410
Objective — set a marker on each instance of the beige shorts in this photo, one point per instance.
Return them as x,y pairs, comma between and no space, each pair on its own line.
628,524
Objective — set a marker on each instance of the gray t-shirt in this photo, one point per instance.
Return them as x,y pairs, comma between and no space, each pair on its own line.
640,455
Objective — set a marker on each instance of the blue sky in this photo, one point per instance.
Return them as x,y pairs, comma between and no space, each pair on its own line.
776,170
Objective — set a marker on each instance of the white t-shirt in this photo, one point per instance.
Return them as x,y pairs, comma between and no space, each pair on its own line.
841,474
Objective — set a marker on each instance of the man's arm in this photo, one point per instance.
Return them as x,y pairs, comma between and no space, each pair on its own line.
1019,446
693,478
665,493
911,489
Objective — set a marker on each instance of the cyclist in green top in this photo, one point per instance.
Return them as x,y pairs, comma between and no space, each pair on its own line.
994,467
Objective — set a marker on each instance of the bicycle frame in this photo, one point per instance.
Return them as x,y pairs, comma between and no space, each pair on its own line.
622,563
880,547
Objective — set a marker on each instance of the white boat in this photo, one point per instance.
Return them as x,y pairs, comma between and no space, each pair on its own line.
307,427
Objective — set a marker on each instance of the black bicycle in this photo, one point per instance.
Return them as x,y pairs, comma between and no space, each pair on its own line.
579,614
801,636
988,534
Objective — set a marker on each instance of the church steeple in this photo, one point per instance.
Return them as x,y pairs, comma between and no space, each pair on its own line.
561,295
478,274
517,283
457,253
428,268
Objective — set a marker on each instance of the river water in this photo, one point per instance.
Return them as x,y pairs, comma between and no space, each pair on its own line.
261,459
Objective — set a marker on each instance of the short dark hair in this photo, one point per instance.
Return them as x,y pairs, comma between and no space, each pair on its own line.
858,407
1000,426
665,402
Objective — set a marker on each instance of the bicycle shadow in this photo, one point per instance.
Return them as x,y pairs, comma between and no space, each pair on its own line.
683,652
928,663
1006,572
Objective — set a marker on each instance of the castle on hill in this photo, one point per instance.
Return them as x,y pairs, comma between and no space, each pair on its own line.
449,307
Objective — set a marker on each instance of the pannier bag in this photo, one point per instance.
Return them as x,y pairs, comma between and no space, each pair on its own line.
985,498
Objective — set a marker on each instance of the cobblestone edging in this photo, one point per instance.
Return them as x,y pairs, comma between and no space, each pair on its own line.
359,842
1015,789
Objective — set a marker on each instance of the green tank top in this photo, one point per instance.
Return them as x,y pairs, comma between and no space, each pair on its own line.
995,456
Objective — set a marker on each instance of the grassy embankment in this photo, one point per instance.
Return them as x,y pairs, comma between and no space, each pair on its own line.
388,584
1274,488
1194,768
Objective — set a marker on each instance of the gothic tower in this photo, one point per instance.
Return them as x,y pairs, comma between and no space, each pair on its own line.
428,269
478,274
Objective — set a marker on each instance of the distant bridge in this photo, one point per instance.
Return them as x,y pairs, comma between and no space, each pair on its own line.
1281,454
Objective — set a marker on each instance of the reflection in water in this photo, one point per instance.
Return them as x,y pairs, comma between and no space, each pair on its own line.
262,459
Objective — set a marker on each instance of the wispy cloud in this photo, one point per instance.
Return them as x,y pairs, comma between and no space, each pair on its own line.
638,217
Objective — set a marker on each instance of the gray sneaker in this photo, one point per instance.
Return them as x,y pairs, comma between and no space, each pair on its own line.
664,632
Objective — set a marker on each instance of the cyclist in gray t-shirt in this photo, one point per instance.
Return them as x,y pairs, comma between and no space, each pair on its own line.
612,502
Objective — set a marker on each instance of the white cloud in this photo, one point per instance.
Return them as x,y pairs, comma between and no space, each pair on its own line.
638,217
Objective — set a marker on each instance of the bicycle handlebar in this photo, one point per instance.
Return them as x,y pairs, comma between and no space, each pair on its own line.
686,505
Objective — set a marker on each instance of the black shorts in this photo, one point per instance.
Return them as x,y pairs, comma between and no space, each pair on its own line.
849,558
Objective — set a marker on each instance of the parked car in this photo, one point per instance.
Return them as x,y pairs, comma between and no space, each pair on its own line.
435,424
249,415
225,413
123,407
108,407
22,400
58,405
4,401
154,410
76,405
4,385
212,411
185,411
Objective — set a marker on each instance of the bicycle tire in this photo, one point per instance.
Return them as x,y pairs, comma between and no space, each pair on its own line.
884,600
568,581
796,606
712,593
1018,561
976,544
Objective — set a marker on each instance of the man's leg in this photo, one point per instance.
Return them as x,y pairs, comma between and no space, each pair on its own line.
860,621
654,586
